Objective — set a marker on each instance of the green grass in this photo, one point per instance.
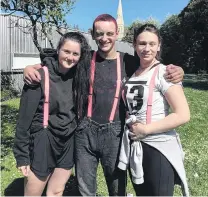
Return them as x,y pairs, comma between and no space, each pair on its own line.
194,137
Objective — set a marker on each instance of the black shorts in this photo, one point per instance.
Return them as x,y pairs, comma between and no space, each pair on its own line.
48,152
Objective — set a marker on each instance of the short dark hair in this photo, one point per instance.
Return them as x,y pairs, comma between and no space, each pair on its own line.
104,17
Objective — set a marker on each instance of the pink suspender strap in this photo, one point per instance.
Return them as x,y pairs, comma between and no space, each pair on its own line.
46,96
118,87
92,77
150,97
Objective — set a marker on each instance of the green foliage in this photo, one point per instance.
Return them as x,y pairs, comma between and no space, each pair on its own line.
194,20
185,38
129,31
43,15
9,111
172,47
7,89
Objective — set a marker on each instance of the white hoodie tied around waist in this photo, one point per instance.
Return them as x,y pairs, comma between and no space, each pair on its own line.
131,155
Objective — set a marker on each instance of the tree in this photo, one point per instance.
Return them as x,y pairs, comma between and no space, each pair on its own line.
129,31
172,41
194,20
43,16
185,38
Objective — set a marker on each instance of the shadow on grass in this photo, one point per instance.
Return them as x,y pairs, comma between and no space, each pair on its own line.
16,188
199,85
8,122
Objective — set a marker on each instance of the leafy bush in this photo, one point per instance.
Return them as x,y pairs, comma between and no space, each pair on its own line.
7,87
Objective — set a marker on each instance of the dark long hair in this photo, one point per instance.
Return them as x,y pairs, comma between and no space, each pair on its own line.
82,69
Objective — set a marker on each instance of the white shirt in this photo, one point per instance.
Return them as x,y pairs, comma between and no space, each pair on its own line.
137,93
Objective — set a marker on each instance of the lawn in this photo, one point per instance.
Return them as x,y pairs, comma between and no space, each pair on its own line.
194,137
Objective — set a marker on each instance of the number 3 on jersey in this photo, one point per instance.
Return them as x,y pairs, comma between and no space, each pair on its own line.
137,102
134,95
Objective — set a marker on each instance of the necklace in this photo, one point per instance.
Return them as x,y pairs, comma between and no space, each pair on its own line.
141,70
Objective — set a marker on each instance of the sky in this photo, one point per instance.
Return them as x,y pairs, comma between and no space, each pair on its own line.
85,11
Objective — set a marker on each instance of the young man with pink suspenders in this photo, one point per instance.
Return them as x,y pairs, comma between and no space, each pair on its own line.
99,133
98,136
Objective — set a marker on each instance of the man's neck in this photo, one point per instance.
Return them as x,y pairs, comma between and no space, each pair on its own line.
108,55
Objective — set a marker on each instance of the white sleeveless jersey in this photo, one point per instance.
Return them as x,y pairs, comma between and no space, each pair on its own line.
137,92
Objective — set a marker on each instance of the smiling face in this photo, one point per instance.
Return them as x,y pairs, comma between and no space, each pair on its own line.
69,54
147,46
105,34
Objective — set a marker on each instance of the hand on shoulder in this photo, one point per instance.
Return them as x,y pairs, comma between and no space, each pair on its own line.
31,74
174,73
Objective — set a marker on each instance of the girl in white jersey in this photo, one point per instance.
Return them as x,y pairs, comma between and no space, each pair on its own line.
154,151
